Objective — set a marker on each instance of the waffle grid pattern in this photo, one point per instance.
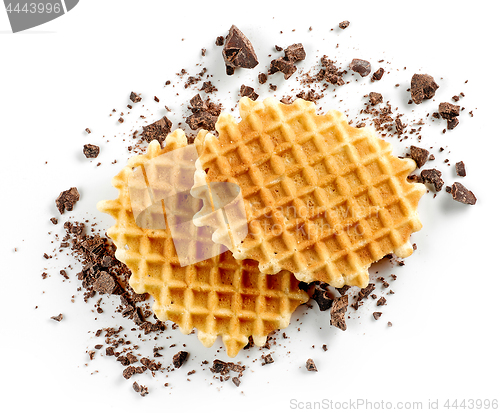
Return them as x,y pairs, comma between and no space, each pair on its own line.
323,199
218,296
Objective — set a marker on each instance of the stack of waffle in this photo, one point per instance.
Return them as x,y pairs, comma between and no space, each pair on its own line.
323,201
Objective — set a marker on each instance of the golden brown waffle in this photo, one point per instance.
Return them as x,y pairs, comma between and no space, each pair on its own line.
218,296
323,200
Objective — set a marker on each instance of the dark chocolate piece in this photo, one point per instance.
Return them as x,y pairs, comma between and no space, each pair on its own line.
419,155
238,51
310,366
67,199
344,25
381,301
236,381
105,283
375,98
433,176
262,78
295,53
461,194
284,66
54,220
249,92
134,97
267,359
157,130
142,390
179,358
376,315
363,67
57,317
452,123
378,74
448,110
91,151
422,87
337,313
460,168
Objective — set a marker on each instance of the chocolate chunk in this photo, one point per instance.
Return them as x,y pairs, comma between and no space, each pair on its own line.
422,87
134,97
375,98
310,366
284,66
337,313
343,290
219,41
238,51
267,359
365,292
208,87
376,315
360,66
110,351
67,199
121,120
104,284
460,168
452,123
433,176
54,220
142,390
201,120
344,25
322,298
381,301
249,92
419,155
461,194
91,151
278,48
88,130
378,74
57,317
448,110
157,130
295,53
180,358
236,381
262,78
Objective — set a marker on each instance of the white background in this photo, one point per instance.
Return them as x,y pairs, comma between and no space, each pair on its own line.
64,76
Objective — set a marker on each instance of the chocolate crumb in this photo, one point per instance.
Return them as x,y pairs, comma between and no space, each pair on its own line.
452,123
310,366
134,97
376,315
344,25
104,284
180,358
57,317
88,130
363,67
267,359
262,78
461,194
91,151
422,87
236,381
67,199
54,220
389,324
142,390
381,301
219,41
324,347
460,168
